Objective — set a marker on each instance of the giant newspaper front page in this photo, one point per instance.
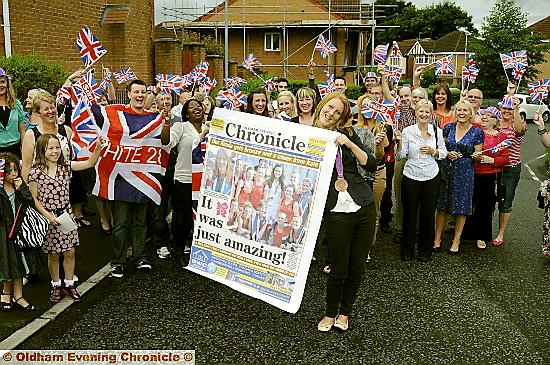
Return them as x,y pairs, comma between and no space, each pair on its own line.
263,193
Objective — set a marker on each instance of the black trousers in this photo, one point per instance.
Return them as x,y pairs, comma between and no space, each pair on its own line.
349,237
419,200
182,215
386,204
479,226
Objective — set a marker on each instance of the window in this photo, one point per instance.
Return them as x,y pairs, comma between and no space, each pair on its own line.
421,59
395,61
272,42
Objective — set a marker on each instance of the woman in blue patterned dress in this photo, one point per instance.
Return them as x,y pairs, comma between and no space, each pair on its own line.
462,140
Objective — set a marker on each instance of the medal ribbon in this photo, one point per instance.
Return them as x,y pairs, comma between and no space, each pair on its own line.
338,163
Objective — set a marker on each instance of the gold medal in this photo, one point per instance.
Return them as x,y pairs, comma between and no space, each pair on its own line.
341,184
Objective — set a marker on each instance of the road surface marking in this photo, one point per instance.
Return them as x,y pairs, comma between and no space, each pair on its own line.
23,333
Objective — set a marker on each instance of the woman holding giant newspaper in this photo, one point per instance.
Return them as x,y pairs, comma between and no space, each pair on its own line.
349,215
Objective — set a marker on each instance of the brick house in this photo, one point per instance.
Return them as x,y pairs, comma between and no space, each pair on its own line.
282,36
543,27
49,28
422,52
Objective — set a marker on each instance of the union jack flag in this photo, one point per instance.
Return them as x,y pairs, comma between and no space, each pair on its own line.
471,61
63,95
270,84
465,73
538,90
444,66
330,78
126,74
501,146
513,59
169,83
324,46
89,46
234,81
232,98
197,169
474,72
379,109
325,89
106,80
393,74
250,62
132,162
208,84
199,72
85,130
88,87
395,51
517,72
380,53
2,168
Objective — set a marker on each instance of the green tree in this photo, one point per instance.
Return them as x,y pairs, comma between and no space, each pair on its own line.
505,30
433,21
33,71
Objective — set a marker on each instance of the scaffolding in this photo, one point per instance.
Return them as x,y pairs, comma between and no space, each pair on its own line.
327,16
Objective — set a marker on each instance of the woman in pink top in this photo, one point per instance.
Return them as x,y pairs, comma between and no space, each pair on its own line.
487,166
442,100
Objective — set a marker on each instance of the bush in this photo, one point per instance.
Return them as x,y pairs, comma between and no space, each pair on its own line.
33,71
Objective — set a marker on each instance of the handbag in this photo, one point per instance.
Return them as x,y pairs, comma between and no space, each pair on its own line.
33,228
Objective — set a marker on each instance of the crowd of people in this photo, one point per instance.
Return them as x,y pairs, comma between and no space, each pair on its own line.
438,163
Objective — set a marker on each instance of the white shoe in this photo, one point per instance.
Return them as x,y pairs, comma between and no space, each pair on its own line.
341,324
187,250
326,324
163,252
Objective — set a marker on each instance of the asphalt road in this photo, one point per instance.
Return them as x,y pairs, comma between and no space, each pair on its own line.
478,307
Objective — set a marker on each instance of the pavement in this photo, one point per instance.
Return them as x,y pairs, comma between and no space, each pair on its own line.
480,307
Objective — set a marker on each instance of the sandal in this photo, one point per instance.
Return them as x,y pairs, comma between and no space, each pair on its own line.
497,242
6,306
83,222
28,307
481,244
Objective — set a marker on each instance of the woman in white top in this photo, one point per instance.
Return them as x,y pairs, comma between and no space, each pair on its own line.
420,186
184,136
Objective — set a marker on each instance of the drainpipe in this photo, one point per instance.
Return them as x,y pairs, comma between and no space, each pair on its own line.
7,27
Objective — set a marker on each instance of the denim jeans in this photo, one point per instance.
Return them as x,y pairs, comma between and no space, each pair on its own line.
128,217
510,181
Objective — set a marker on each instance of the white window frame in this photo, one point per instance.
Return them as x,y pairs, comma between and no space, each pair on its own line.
270,35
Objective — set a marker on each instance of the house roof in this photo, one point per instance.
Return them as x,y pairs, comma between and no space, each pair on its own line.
408,45
452,42
542,26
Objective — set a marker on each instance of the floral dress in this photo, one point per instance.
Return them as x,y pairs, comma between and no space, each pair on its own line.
457,191
53,193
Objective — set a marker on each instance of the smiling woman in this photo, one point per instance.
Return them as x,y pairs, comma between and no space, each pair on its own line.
184,137
349,216
12,117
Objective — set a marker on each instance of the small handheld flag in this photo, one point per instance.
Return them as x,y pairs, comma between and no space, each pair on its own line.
126,74
89,47
444,66
380,53
393,74
538,90
324,46
250,62
379,109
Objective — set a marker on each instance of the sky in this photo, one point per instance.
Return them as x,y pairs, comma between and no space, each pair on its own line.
535,9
